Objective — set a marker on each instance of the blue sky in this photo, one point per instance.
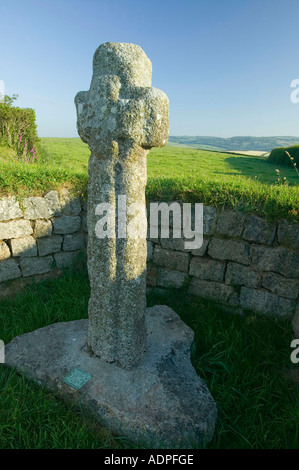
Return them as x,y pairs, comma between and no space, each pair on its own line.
225,65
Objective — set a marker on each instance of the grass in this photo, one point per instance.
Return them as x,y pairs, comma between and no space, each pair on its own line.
242,182
242,360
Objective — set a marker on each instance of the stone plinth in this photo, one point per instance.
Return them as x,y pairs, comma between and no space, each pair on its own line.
162,402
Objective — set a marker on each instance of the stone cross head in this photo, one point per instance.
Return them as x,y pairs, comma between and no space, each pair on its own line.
121,105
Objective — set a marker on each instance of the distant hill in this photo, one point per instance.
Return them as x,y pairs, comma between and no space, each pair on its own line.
230,144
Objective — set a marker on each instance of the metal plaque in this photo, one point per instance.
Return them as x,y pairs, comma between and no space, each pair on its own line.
77,378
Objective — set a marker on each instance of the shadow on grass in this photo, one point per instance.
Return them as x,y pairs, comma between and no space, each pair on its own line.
260,169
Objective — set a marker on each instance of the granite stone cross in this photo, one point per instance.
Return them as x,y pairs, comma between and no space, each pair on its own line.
121,117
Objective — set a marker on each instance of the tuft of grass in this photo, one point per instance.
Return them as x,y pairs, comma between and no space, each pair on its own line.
242,359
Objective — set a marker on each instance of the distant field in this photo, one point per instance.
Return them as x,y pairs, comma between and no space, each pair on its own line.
236,144
243,182
252,153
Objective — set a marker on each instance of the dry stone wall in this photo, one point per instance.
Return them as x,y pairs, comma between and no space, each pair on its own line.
245,262
40,234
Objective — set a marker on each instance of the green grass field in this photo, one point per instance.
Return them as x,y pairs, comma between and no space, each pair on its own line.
220,179
244,360
175,162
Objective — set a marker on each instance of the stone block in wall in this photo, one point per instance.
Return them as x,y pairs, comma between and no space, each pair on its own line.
151,275
170,279
258,230
150,250
177,244
23,247
84,223
36,208
171,259
9,208
230,250
295,322
231,223
278,259
208,269
15,229
288,234
214,291
49,245
70,205
266,303
209,219
42,228
202,250
281,286
240,275
53,203
73,242
4,251
9,270
66,259
84,206
37,265
66,224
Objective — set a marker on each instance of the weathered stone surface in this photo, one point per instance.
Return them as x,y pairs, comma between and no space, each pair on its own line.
258,230
281,286
121,117
52,200
231,223
288,234
49,245
295,322
151,275
9,208
240,275
4,251
150,250
36,208
15,229
70,205
213,291
66,224
33,266
231,250
208,269
66,259
278,259
160,403
173,260
9,269
42,228
23,247
201,251
266,303
73,242
171,279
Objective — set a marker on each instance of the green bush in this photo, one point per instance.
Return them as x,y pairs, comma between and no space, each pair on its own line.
17,127
280,157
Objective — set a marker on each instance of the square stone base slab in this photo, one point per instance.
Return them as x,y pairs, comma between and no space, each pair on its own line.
161,403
